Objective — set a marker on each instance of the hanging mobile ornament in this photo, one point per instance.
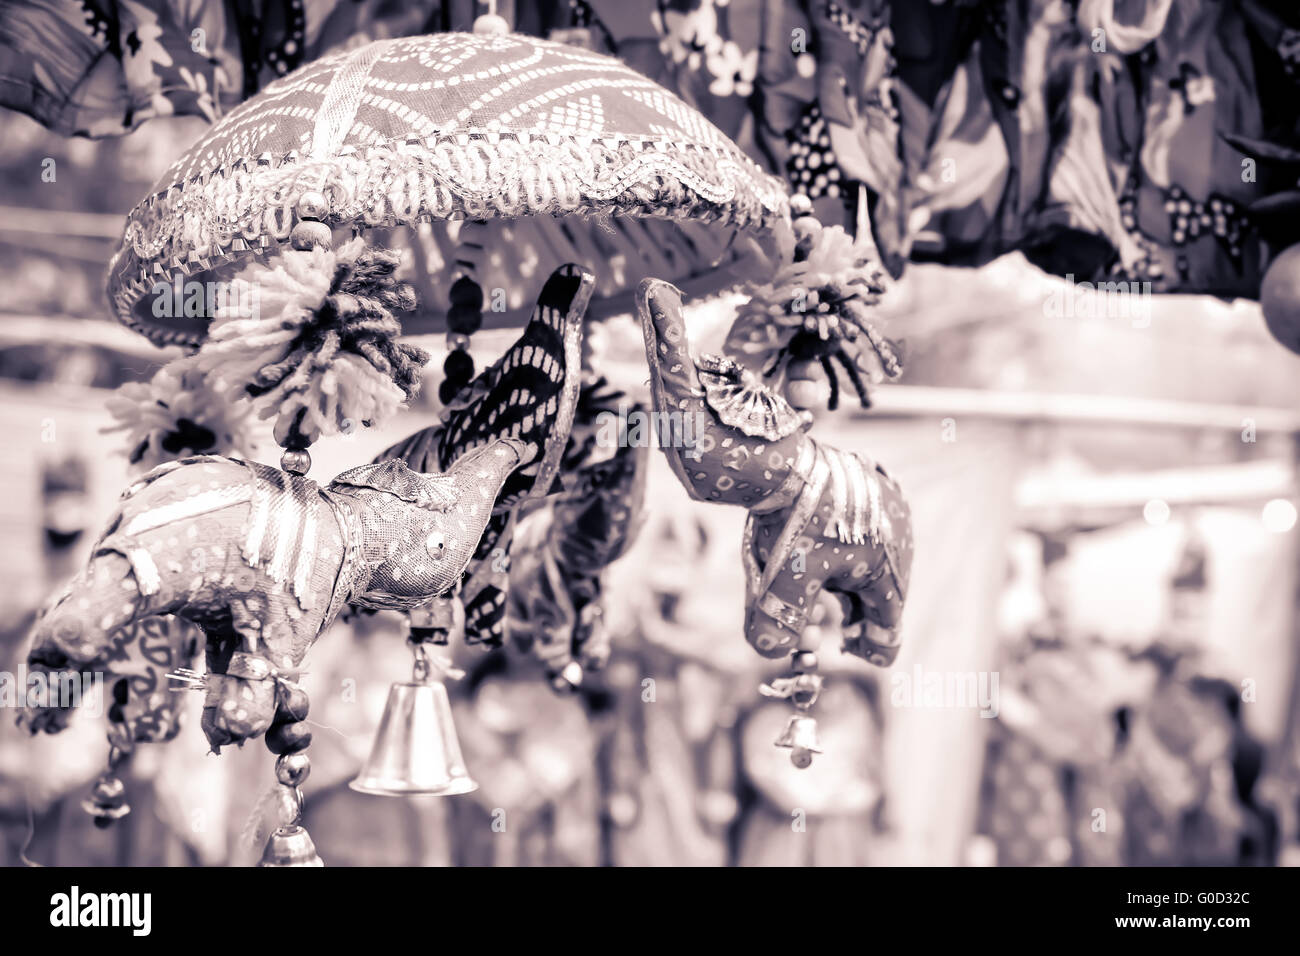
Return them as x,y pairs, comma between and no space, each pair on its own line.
820,518
258,202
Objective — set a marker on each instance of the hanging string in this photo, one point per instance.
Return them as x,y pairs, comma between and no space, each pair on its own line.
31,828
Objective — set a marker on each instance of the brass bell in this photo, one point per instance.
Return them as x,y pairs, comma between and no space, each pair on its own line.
290,846
416,750
800,736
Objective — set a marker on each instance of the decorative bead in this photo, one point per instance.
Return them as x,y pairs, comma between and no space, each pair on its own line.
569,679
805,393
309,235
808,229
800,205
465,291
491,25
294,705
313,205
296,462
448,390
109,791
459,366
439,636
288,738
803,369
805,661
622,808
464,319
292,770
106,812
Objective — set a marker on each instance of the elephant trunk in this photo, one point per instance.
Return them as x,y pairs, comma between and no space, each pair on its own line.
489,465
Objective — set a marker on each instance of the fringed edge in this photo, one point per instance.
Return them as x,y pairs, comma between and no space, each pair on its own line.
856,507
249,206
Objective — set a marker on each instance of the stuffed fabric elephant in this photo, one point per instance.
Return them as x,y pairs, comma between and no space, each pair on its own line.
820,517
557,578
263,560
529,395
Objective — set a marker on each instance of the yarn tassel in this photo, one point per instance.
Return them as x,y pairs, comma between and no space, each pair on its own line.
320,354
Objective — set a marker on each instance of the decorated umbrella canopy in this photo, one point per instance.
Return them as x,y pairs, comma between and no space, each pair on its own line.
446,128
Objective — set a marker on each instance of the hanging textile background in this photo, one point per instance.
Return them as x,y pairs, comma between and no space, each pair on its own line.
1093,140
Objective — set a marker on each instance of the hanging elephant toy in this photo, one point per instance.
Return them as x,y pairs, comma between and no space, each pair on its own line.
555,607
820,517
263,560
529,395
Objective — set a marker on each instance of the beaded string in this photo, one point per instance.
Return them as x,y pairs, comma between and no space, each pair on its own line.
465,315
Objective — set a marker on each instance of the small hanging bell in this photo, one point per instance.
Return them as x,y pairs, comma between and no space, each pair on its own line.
416,750
290,846
800,736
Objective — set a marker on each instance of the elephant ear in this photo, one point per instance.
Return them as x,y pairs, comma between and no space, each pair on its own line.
432,492
736,396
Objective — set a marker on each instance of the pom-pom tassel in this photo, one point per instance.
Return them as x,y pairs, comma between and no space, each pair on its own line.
818,308
321,354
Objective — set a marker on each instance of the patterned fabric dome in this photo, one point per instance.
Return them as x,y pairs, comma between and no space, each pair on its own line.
529,135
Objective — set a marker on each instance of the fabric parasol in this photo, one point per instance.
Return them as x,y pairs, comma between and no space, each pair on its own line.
565,154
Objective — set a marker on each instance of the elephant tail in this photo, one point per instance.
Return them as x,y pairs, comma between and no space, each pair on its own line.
74,638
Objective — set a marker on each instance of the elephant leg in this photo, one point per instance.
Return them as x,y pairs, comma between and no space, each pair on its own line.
871,627
596,522
858,550
241,687
542,618
777,617
83,632
146,707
